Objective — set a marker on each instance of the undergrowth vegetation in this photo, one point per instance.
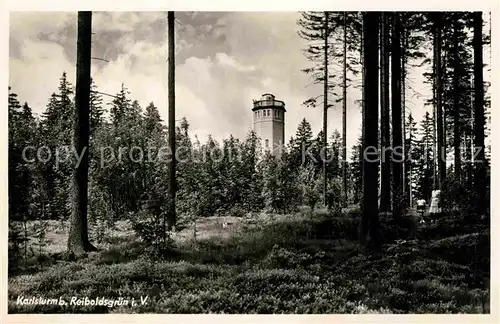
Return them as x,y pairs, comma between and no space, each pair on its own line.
307,264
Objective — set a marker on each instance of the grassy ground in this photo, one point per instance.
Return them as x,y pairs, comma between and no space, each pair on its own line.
292,264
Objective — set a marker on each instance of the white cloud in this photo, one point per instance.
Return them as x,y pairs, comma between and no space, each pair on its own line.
36,74
260,53
126,21
224,60
25,25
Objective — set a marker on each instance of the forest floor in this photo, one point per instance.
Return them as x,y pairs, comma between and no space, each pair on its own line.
303,263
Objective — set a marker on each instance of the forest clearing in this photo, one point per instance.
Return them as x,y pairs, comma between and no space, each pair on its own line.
287,264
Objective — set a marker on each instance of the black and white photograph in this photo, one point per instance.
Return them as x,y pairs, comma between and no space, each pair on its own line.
249,162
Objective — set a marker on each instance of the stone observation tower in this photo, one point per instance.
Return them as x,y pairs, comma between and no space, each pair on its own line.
269,122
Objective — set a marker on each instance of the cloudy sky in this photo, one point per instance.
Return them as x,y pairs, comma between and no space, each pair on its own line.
223,60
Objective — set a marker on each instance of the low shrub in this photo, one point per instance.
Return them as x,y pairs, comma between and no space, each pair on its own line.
150,224
457,196
280,257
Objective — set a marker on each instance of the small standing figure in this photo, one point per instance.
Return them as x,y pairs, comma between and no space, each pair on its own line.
421,208
435,207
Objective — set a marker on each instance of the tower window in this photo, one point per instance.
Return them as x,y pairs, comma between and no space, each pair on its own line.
267,143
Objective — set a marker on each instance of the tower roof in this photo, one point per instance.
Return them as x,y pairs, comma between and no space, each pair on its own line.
268,101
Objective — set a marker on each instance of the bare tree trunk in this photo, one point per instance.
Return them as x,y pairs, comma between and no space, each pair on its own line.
444,103
406,190
456,108
78,238
397,175
434,120
470,137
441,156
479,120
344,119
325,110
369,220
361,60
385,181
172,219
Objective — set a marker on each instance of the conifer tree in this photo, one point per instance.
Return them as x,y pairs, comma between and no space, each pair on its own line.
369,221
479,118
78,237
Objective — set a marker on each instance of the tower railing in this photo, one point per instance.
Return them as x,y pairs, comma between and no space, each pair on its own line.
268,103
